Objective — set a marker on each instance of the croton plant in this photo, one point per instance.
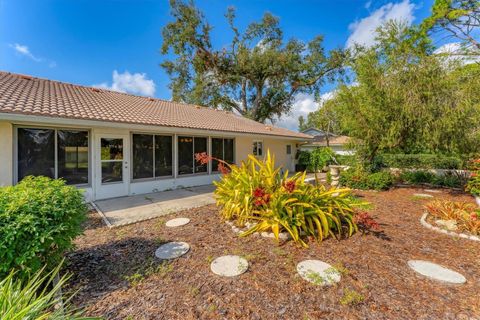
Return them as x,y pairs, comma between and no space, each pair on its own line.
473,184
256,191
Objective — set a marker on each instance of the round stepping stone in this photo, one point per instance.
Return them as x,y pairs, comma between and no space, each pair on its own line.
172,250
318,272
229,266
178,222
422,195
436,272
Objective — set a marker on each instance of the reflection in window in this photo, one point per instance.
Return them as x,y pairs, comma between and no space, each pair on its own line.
185,155
163,156
112,171
111,149
200,146
142,153
222,149
36,153
72,156
257,148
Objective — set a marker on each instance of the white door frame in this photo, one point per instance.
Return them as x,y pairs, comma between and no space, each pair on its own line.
111,189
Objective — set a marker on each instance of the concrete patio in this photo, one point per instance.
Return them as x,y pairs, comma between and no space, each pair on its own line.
126,210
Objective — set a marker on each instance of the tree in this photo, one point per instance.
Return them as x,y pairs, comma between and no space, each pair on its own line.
302,125
325,119
408,100
459,18
257,74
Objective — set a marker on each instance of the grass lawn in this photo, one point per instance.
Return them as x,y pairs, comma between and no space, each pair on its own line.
118,276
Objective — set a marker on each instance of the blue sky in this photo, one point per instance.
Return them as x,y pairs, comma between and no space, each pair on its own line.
115,43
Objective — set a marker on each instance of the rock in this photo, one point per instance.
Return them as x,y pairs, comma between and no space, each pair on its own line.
172,250
177,222
436,272
447,224
318,272
229,266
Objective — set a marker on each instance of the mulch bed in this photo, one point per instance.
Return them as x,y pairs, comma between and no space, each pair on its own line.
118,276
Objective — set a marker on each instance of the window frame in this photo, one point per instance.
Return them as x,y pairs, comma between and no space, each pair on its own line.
174,148
55,129
177,162
256,142
223,150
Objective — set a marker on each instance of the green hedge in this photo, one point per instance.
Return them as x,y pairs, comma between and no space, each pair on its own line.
359,179
39,218
419,177
421,161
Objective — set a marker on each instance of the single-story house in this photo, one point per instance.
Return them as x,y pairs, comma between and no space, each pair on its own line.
114,144
338,143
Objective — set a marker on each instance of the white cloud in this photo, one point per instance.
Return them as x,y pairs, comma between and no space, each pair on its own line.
136,83
363,31
25,51
454,51
302,106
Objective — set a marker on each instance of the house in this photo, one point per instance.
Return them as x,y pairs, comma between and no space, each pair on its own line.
338,143
114,144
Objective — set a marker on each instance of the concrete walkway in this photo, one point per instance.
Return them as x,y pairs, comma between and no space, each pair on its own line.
131,209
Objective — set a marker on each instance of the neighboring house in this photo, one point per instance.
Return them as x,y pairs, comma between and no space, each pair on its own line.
114,144
336,142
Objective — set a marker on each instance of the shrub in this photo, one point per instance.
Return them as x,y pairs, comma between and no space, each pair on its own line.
467,215
39,218
256,191
473,184
421,161
34,298
358,178
449,180
417,177
304,158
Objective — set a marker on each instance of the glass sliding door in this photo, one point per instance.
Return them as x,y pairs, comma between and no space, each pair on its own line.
72,156
222,148
187,148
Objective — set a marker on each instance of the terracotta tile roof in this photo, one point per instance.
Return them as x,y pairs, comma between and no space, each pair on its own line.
27,95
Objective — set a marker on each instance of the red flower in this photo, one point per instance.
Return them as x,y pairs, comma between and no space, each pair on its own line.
258,202
366,221
223,169
473,216
289,186
266,198
202,158
258,193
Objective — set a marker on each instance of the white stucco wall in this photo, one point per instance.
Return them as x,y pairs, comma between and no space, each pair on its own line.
6,153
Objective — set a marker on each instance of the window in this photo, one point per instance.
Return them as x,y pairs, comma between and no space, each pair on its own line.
72,156
222,149
257,148
53,153
289,149
111,159
187,147
152,156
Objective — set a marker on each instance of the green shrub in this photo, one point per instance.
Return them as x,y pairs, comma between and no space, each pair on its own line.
304,158
421,161
346,160
359,178
449,180
255,191
34,298
473,184
39,218
417,177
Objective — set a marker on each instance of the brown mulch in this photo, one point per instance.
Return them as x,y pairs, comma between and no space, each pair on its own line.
118,276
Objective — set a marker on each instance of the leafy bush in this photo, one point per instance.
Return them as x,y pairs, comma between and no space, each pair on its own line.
316,159
417,177
473,184
358,178
256,191
304,158
467,215
450,180
39,218
421,161
346,160
34,298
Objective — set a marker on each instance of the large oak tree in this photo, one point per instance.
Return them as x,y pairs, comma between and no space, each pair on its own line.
257,74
